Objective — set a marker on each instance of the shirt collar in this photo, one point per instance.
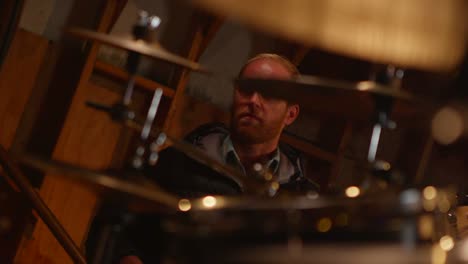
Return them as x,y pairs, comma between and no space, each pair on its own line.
231,157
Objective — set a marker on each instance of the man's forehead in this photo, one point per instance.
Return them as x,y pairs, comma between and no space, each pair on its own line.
266,68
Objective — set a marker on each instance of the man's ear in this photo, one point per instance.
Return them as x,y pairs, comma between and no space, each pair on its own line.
291,115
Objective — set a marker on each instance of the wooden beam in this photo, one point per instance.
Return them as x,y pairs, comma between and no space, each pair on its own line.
308,148
198,41
17,79
141,82
344,142
299,55
210,29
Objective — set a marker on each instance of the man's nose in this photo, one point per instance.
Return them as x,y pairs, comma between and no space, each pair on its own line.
254,98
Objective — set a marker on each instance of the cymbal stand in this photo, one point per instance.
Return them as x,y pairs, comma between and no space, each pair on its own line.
392,77
118,217
137,161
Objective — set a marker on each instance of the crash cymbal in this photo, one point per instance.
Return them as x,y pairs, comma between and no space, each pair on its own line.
152,50
303,86
412,34
140,194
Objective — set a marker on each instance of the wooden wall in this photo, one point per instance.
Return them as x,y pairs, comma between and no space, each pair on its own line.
82,136
17,80
87,139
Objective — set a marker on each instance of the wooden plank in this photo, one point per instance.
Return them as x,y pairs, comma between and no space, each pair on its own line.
173,125
299,55
142,82
88,139
308,148
344,142
17,79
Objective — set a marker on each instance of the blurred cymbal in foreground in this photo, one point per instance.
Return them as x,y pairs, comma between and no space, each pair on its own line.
428,35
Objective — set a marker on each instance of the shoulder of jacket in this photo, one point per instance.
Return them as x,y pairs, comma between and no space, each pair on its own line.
204,130
292,153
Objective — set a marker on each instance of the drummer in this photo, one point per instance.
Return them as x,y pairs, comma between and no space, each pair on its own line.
251,144
252,141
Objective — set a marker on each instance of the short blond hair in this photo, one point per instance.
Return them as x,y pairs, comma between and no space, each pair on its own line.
275,57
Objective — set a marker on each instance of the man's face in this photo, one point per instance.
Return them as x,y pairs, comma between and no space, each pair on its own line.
256,118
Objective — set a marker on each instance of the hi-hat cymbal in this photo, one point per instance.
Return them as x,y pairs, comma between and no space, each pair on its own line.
152,50
139,195
412,34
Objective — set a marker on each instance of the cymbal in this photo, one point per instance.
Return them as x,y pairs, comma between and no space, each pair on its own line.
247,184
397,32
350,100
141,195
303,86
387,201
152,50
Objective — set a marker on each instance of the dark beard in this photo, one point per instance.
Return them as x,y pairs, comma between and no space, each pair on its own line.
255,134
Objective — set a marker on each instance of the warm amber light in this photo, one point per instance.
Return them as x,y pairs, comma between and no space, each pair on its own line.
463,252
447,125
184,205
341,219
413,33
426,227
429,205
438,256
209,201
430,192
443,204
352,191
324,225
446,243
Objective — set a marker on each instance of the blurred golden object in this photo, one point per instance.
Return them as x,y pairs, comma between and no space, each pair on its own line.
449,123
184,205
418,34
446,243
426,226
438,256
462,223
209,201
429,192
324,225
352,191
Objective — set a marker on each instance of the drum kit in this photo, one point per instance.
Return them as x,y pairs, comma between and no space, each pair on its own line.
359,226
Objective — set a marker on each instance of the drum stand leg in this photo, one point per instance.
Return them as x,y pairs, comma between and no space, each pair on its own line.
116,220
392,77
14,172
